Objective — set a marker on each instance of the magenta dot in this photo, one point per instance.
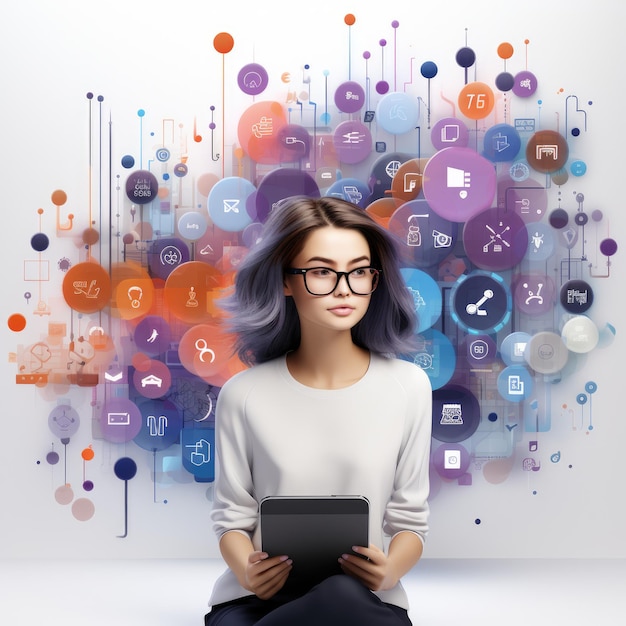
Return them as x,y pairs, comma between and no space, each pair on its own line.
383,42
395,24
382,87
367,55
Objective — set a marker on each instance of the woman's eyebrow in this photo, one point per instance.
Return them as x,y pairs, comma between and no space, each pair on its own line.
320,259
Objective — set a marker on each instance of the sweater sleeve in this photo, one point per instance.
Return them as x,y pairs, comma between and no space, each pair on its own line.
235,506
407,509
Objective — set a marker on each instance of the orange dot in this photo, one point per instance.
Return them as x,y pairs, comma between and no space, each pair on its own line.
39,211
223,42
17,322
58,197
349,19
505,50
87,453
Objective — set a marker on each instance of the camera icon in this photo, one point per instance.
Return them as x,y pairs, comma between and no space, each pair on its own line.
452,459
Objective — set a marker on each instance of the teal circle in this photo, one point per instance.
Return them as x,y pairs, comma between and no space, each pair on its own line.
578,168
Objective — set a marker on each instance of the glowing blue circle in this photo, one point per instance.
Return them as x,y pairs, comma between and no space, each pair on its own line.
397,113
227,203
426,297
436,357
515,383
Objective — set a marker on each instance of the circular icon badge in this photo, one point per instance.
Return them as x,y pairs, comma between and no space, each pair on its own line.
576,296
546,353
350,189
525,84
166,255
228,203
160,425
515,383
476,100
459,183
513,347
192,225
450,132
142,187
120,420
481,350
534,294
153,380
153,335
87,287
252,79
456,414
349,97
436,356
540,241
547,151
501,143
495,239
407,181
352,141
258,130
481,302
451,461
397,113
429,238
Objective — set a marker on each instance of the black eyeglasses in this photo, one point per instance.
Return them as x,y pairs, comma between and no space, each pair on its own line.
322,281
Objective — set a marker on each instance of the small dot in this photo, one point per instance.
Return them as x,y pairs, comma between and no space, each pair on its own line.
477,521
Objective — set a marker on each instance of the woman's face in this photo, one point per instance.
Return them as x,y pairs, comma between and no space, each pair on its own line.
339,249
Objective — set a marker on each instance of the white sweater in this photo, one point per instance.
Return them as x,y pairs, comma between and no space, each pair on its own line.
275,436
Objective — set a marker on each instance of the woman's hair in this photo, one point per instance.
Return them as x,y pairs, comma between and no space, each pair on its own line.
266,322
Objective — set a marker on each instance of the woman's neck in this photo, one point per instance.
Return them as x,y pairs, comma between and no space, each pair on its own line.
331,362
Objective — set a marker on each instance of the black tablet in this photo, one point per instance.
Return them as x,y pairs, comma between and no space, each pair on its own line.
314,531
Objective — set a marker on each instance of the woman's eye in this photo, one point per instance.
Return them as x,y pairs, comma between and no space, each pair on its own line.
321,272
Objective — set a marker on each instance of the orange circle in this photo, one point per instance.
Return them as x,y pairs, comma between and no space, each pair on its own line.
90,236
87,454
190,290
349,19
223,42
259,129
87,287
205,183
58,197
505,50
17,322
476,100
381,210
141,362
407,182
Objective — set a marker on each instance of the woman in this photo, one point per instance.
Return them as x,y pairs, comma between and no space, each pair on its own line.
320,309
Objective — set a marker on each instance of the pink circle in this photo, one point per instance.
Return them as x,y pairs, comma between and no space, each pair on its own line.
83,509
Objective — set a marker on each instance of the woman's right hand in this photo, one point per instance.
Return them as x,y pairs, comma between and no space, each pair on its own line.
265,576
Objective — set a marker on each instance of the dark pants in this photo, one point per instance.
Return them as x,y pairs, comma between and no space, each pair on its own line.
337,601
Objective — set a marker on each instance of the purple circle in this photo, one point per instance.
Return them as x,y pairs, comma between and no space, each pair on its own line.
353,141
382,87
120,420
52,458
456,414
505,81
558,218
349,97
160,426
88,485
525,84
39,242
141,187
459,183
481,350
63,421
153,335
465,57
280,184
252,79
451,461
495,239
295,143
608,247
450,132
166,255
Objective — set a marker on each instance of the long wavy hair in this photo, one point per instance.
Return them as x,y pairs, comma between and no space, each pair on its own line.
266,322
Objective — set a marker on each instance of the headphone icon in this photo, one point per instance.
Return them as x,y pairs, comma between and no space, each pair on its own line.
135,294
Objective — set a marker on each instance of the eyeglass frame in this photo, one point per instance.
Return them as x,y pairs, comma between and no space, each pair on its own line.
296,271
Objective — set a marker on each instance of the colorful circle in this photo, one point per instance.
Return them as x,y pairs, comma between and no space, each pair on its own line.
456,414
87,287
353,141
547,151
398,113
476,100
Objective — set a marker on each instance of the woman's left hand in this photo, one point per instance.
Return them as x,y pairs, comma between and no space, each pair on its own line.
373,568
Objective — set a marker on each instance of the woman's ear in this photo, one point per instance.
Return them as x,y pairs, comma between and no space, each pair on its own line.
286,287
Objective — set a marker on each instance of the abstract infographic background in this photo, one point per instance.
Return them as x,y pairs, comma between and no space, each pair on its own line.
145,146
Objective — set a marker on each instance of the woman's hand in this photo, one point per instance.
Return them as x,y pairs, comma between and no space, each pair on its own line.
266,576
375,571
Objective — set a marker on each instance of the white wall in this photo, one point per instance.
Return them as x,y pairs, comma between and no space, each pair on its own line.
159,56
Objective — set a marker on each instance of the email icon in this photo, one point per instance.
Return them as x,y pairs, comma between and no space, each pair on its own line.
231,205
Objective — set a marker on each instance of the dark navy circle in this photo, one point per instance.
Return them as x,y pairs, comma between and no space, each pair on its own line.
576,296
456,414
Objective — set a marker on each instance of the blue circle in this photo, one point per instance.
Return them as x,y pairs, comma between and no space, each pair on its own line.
128,161
350,189
160,427
429,69
162,154
513,346
501,143
125,468
540,242
578,168
436,356
591,387
397,113
227,203
515,383
426,297
192,225
581,398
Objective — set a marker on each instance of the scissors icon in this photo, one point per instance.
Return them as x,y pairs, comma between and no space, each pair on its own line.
203,349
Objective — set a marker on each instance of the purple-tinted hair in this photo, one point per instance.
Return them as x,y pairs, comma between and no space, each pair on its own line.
266,322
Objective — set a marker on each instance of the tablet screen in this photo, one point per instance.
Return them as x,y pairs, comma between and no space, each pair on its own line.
314,532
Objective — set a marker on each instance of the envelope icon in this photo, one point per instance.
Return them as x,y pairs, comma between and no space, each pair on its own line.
231,205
